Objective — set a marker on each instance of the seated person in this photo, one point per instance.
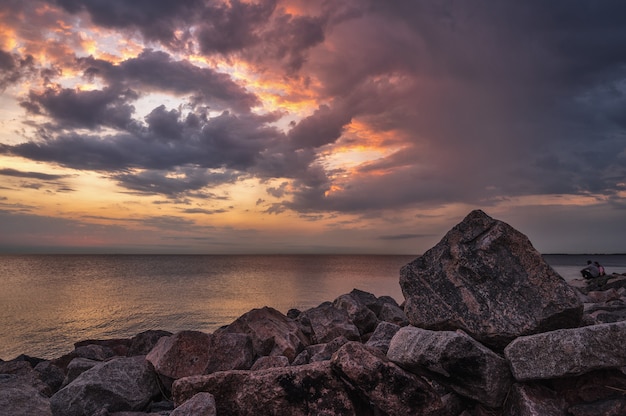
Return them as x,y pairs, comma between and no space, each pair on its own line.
591,271
600,268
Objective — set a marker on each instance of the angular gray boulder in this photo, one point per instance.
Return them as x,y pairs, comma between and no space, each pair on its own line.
485,278
568,352
121,384
384,384
358,312
381,338
455,360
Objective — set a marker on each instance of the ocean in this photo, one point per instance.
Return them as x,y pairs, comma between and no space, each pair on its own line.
48,302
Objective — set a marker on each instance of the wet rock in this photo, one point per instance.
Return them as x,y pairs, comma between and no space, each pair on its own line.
382,336
229,352
19,398
455,360
144,342
272,333
485,278
310,389
387,386
568,352
268,361
121,384
183,354
526,400
327,323
358,312
202,404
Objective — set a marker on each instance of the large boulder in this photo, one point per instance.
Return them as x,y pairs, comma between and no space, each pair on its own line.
325,323
486,278
19,398
310,389
568,352
319,352
183,354
455,360
272,332
142,343
387,386
121,384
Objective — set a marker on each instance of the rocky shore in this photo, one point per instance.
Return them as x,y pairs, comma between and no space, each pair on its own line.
487,328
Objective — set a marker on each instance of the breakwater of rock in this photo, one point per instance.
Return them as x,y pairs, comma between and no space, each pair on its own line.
487,328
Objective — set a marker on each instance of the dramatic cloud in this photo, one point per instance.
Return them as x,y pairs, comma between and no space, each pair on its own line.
319,110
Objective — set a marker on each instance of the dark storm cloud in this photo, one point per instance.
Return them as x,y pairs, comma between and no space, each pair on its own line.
91,109
324,126
13,68
157,71
155,19
31,175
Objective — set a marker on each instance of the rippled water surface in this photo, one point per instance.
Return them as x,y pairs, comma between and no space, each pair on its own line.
49,302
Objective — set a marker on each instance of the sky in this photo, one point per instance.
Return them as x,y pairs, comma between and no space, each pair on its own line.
292,126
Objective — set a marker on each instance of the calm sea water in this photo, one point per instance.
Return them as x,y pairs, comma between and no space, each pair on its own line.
48,302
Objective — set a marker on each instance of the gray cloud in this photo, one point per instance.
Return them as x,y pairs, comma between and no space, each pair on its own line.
31,175
157,71
13,68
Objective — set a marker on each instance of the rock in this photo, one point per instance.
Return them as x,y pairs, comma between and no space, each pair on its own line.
94,352
118,346
229,352
272,361
390,312
310,389
23,370
144,342
327,323
568,352
202,404
272,333
382,336
319,352
184,354
455,360
19,398
51,375
593,387
613,407
485,278
76,367
387,386
525,400
358,312
121,384
366,298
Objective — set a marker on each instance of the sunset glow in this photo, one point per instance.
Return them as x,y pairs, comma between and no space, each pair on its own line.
276,126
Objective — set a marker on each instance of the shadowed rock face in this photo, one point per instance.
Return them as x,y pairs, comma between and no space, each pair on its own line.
486,278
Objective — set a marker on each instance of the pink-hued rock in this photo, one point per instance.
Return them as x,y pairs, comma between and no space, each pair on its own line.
389,387
202,404
568,352
272,333
485,278
121,384
310,389
327,323
183,354
455,360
